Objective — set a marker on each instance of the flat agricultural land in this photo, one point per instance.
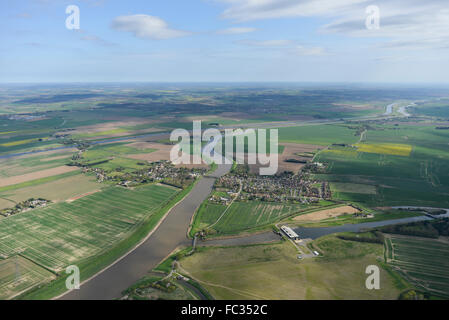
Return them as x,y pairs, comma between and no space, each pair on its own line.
386,148
18,142
162,152
424,262
114,129
64,233
18,275
287,151
112,150
31,163
36,175
112,156
322,135
243,216
291,151
274,272
207,214
58,190
347,187
326,214
398,164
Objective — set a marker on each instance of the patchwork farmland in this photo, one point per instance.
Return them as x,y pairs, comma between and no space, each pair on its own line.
64,233
398,164
424,262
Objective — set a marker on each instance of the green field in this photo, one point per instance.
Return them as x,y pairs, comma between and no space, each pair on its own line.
352,188
318,134
418,178
432,108
115,151
206,215
18,274
104,151
243,216
65,233
274,272
423,262
110,157
33,163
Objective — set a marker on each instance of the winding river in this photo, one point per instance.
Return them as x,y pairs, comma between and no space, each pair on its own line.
171,234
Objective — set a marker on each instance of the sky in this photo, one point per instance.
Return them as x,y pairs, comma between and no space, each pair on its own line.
225,41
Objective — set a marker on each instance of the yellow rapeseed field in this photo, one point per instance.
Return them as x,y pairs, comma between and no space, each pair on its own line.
17,143
386,148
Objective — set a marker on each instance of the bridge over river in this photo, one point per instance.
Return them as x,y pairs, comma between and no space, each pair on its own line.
171,233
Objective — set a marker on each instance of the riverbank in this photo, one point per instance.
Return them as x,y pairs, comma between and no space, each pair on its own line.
170,234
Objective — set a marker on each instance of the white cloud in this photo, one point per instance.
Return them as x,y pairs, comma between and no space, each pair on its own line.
236,30
266,43
146,27
308,51
417,23
245,10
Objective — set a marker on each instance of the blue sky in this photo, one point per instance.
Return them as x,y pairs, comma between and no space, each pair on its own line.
224,40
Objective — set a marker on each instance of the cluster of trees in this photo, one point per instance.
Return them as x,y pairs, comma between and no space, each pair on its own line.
428,229
163,285
413,295
240,170
296,160
371,237
24,205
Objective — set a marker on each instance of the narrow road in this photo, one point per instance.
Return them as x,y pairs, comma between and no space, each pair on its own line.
170,234
230,204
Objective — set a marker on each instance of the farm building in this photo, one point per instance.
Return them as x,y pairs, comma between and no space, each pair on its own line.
290,233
